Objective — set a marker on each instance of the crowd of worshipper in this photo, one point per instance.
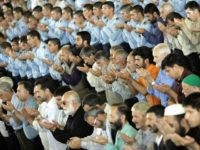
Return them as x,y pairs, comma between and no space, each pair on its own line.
100,75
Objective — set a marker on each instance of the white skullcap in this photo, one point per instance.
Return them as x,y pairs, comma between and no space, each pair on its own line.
173,110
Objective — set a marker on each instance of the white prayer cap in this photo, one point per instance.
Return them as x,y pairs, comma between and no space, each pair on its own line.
173,110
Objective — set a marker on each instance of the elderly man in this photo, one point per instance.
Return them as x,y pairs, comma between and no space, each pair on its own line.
75,126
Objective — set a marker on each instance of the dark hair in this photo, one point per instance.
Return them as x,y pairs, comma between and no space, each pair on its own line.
144,52
27,85
100,55
110,4
8,5
5,45
98,4
18,10
178,59
55,41
57,9
179,117
27,14
47,83
2,35
138,8
88,6
87,51
68,10
123,109
192,5
151,8
34,33
85,36
79,13
91,100
173,15
23,39
193,100
15,40
158,110
37,9
61,90
48,6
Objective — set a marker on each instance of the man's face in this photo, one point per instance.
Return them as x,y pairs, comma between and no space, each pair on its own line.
192,116
114,119
158,58
97,11
130,64
175,125
139,62
78,19
52,47
138,119
64,56
16,15
15,46
22,93
151,122
24,46
134,15
171,72
91,120
149,17
68,104
193,15
88,59
39,94
32,23
125,15
4,95
87,13
65,15
100,121
186,89
79,42
106,10
31,41
119,61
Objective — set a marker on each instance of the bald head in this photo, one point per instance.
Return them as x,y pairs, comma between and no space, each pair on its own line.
72,96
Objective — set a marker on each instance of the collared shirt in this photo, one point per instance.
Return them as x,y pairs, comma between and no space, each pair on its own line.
113,34
153,70
87,142
154,35
119,143
144,138
162,78
19,105
42,52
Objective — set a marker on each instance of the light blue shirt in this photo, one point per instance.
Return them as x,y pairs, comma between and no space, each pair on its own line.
42,52
162,78
113,34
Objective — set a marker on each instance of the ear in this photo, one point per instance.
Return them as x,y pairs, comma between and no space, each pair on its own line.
123,118
85,43
183,123
155,14
146,61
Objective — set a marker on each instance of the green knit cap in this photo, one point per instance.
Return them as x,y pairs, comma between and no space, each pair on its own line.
192,80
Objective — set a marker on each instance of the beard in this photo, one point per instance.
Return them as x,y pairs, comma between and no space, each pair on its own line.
69,110
153,129
116,125
181,131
